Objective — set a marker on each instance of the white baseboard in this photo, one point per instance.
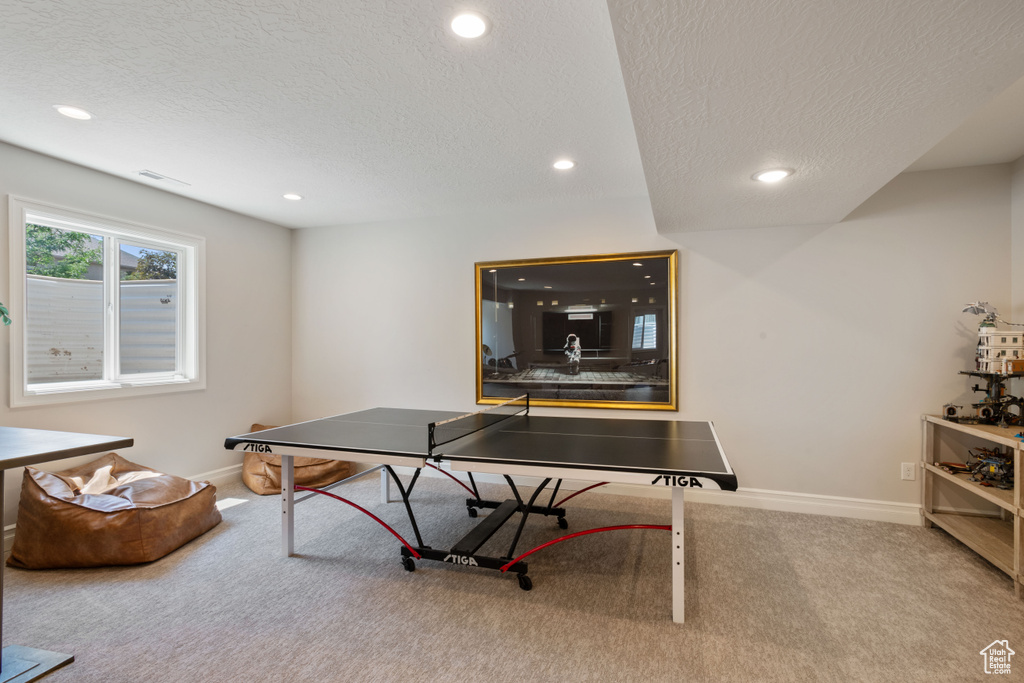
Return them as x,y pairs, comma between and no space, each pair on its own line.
835,506
783,501
224,475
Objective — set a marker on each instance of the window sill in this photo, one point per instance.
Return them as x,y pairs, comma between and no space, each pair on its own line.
46,394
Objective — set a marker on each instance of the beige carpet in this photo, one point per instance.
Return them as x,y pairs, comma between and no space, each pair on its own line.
770,597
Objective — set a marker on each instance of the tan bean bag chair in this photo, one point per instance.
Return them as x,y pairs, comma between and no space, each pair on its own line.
261,472
107,512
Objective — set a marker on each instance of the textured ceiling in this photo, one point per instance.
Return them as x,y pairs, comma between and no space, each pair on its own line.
848,94
374,111
371,110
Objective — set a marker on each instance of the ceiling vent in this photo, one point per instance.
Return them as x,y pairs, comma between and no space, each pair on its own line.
153,175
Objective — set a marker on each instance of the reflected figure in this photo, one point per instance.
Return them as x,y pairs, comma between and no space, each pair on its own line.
574,350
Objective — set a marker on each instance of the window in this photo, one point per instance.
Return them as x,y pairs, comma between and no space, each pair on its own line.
645,331
101,307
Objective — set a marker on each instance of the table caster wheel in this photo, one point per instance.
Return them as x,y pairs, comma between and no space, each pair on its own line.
472,512
562,524
525,582
408,564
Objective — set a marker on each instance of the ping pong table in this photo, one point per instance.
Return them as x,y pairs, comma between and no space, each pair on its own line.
504,440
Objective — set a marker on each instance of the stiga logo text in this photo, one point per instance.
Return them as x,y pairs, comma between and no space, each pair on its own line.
257,448
461,559
675,480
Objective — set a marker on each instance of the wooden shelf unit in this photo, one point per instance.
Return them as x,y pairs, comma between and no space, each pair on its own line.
1000,540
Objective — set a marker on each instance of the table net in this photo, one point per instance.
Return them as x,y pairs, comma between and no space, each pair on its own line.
447,431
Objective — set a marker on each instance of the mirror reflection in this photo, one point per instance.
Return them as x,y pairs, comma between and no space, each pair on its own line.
593,331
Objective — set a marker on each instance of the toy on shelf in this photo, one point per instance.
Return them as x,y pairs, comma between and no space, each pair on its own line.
991,467
954,467
999,358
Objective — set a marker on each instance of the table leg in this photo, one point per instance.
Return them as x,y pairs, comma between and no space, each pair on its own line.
288,505
677,555
385,486
22,664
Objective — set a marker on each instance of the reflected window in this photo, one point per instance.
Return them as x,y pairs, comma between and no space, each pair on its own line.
645,332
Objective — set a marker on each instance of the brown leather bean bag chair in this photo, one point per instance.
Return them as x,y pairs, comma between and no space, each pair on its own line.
261,472
107,512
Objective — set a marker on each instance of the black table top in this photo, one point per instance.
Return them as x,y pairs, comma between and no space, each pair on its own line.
625,445
661,445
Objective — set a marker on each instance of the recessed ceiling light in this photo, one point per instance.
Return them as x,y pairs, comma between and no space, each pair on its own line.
73,112
564,164
638,264
773,175
292,196
469,25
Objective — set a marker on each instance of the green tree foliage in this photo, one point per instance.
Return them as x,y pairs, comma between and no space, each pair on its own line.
155,265
58,253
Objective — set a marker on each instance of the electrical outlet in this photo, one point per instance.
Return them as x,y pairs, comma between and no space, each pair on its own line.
908,471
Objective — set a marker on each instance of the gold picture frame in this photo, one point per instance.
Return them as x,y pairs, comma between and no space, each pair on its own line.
579,331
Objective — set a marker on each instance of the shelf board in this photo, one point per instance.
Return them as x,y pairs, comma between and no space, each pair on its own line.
989,537
1006,436
1001,497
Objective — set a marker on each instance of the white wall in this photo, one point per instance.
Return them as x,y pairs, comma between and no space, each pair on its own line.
248,332
814,350
1017,231
384,313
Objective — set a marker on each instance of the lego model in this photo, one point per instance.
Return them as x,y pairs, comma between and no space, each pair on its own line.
991,467
999,358
999,351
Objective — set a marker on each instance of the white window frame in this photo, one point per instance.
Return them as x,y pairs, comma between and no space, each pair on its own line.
190,361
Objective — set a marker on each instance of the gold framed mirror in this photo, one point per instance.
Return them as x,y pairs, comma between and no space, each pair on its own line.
582,331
